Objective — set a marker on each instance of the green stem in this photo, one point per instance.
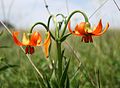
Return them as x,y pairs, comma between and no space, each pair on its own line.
59,56
61,15
40,23
48,25
77,11
63,20
49,19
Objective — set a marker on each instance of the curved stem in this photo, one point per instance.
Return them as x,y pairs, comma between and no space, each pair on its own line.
56,27
77,11
49,19
63,20
40,23
58,24
61,15
48,25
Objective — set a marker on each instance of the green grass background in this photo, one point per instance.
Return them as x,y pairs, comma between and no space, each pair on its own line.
103,55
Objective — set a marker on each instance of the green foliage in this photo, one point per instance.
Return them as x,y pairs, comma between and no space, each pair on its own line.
64,75
7,66
103,54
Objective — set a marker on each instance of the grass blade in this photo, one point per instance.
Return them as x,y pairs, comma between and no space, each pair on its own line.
4,47
64,75
67,82
7,67
53,81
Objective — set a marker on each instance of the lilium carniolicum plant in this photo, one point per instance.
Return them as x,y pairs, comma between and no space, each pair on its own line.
83,29
32,40
60,65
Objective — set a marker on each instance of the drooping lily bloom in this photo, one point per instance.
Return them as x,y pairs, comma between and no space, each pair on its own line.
30,41
83,29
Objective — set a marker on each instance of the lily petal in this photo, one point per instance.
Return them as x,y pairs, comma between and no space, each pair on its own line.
106,28
46,45
81,28
15,35
25,40
76,32
35,39
98,29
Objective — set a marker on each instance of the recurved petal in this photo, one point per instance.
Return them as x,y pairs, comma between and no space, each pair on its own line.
35,39
98,29
47,45
106,28
15,35
76,32
25,39
81,28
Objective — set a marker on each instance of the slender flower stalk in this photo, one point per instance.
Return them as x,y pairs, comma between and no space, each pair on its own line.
59,56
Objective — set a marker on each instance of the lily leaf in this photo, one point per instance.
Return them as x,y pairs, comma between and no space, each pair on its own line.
67,82
63,53
64,75
64,37
4,47
53,81
77,84
7,67
47,82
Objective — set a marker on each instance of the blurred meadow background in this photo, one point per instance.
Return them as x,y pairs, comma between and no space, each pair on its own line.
100,57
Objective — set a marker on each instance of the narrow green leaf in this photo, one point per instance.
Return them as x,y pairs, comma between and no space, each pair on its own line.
42,79
7,67
47,82
64,37
64,75
98,78
53,80
42,82
63,52
4,47
77,84
67,82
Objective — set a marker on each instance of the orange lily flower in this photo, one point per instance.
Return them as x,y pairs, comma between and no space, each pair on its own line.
30,41
83,29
